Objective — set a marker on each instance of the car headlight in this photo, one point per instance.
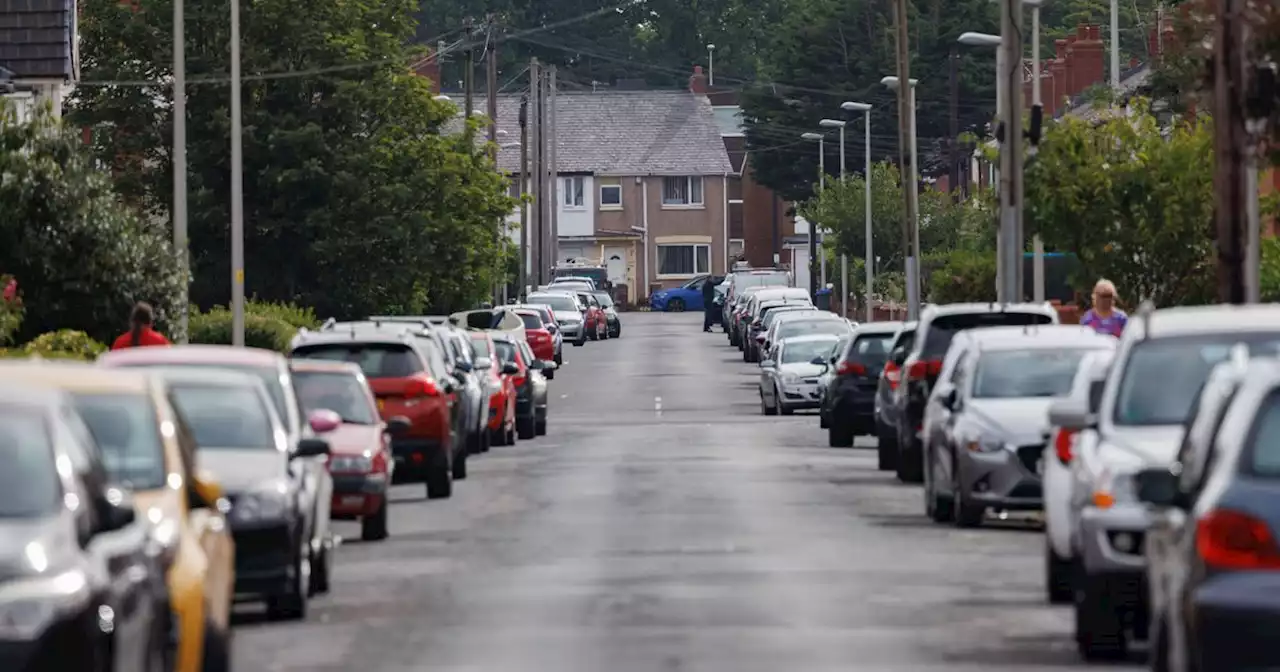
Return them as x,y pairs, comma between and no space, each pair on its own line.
790,378
571,321
259,506
351,463
985,445
29,606
1113,487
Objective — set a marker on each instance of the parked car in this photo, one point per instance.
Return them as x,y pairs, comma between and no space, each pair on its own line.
985,423
410,378
549,323
126,412
890,402
743,279
540,339
799,323
790,382
1162,360
1059,550
597,329
750,311
80,589
360,461
569,313
531,386
827,379
938,325
503,319
598,274
499,386
848,403
685,297
737,307
613,324
273,370
762,319
1211,549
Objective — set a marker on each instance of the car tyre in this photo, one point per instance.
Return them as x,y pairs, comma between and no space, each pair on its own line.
823,422
550,374
886,448
459,466
374,528
839,434
540,427
580,342
765,408
963,514
292,604
440,482
1100,631
1057,576
910,466
1158,648
216,656
526,428
675,306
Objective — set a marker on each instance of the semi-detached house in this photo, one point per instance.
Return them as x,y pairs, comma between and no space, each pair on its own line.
642,184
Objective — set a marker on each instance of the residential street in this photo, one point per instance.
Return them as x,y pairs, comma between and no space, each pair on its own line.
664,524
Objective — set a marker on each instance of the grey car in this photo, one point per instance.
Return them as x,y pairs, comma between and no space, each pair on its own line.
569,313
790,382
986,420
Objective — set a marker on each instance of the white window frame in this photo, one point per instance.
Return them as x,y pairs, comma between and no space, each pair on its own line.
689,192
574,186
696,270
611,206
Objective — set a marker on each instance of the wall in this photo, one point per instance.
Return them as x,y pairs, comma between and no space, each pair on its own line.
687,224
761,211
576,221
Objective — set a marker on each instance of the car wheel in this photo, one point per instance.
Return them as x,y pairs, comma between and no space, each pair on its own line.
550,374
460,466
1057,576
675,306
498,437
910,462
937,506
374,528
580,342
1158,647
765,408
886,448
1100,633
839,434
292,604
823,422
320,571
540,428
440,482
216,656
510,432
525,428
964,514
559,358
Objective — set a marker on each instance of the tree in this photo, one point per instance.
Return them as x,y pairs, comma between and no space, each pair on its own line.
1133,205
81,257
356,198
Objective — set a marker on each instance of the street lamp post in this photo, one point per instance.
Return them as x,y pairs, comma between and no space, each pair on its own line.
844,258
1037,244
866,179
822,185
237,187
910,182
994,42
711,65
180,165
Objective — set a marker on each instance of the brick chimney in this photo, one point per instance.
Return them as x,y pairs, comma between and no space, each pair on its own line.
429,67
1090,65
1058,69
698,81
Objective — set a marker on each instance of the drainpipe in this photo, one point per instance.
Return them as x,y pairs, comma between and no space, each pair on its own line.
644,210
724,185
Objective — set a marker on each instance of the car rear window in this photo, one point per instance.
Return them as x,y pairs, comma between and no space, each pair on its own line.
531,321
945,327
556,301
224,417
903,344
870,349
799,327
377,360
1264,439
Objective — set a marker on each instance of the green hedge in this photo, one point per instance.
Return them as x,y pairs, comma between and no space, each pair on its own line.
61,344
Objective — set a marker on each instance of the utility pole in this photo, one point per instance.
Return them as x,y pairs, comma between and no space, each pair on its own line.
237,187
904,138
1010,136
522,280
491,86
534,236
954,138
1230,138
553,237
468,85
180,164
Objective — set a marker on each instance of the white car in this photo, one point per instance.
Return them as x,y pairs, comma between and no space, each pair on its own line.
790,382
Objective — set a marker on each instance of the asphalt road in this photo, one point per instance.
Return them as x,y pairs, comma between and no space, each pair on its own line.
664,524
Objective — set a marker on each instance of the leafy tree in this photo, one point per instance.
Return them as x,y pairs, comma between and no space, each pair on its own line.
355,200
1133,205
961,276
82,258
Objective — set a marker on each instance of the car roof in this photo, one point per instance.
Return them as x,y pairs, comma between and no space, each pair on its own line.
809,337
324,366
193,354
33,396
933,311
870,328
1191,320
214,377
77,376
373,332
1039,336
817,315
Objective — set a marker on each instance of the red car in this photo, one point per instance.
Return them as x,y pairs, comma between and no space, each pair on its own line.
539,336
500,388
595,321
361,462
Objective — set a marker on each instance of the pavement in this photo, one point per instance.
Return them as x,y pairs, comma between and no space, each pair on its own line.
664,524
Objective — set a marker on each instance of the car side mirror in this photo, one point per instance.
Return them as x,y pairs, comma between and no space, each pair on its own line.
483,363
205,491
950,397
537,365
323,421
311,447
115,510
398,425
510,369
767,364
549,365
465,367
1157,486
819,361
1071,415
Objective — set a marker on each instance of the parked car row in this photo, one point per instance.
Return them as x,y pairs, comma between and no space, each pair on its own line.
1154,458
148,492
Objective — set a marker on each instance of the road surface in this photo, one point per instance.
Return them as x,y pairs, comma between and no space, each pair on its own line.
664,524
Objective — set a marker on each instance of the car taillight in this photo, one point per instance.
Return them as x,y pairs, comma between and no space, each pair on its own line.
421,387
1232,540
1062,444
851,369
921,369
892,374
518,380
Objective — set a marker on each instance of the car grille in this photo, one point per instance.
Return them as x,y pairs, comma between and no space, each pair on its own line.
1030,455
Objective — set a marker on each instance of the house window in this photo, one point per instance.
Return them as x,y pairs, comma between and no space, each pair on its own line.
573,192
610,196
682,190
684,259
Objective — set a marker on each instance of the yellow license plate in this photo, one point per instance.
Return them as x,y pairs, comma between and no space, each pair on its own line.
382,403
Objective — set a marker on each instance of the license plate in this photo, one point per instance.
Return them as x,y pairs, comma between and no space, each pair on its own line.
1040,466
352,500
382,403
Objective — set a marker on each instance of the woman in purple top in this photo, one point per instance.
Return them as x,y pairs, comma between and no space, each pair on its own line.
1104,317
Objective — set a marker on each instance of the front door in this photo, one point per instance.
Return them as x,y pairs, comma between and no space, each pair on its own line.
615,260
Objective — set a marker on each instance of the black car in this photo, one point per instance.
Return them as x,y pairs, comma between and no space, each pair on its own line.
81,587
889,400
938,325
851,396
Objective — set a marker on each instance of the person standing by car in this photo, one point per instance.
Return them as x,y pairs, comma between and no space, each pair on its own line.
141,332
708,303
1104,317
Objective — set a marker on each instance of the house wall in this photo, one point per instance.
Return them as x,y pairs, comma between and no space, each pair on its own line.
761,210
575,220
679,225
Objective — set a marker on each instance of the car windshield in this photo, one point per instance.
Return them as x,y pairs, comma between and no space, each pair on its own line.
128,437
804,351
1162,376
480,346
803,327
531,321
1036,372
29,486
771,314
945,327
342,393
376,360
224,417
605,300
557,301
269,375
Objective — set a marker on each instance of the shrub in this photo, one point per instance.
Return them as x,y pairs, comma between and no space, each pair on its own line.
260,331
966,276
298,317
10,308
64,344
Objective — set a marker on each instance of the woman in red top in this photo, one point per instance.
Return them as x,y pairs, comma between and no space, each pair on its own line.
140,333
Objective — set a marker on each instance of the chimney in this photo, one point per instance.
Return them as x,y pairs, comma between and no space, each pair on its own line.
698,81
429,67
1089,59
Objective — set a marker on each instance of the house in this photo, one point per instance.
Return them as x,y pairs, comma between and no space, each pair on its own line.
39,54
642,183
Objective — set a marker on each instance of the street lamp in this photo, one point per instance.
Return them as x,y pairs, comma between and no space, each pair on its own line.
911,263
844,260
822,185
237,187
866,179
711,65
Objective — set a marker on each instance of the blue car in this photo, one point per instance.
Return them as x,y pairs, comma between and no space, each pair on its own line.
680,299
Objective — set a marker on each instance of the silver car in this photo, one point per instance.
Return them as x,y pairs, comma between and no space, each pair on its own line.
790,382
568,311
803,323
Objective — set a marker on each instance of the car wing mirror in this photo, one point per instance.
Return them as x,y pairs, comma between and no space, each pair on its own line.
549,365
311,447
510,369
1071,415
483,363
398,425
767,364
950,397
537,365
1157,486
115,510
323,421
465,367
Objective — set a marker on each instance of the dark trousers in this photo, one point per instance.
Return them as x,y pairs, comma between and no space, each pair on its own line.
708,318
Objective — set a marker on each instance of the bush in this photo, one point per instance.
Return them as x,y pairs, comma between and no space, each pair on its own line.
298,317
64,344
965,276
10,308
266,331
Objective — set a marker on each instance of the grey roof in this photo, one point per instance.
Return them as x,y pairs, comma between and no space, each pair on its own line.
36,38
626,133
1130,82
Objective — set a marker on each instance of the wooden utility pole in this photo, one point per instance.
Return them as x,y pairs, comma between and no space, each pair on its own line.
1230,72
906,153
553,234
1010,136
468,73
954,139
523,277
491,85
533,237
